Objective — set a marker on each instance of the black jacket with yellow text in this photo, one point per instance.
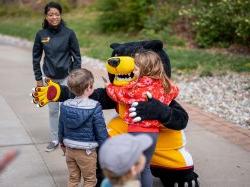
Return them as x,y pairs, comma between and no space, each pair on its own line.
61,52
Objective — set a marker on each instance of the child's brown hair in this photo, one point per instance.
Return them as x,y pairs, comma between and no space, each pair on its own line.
79,80
151,65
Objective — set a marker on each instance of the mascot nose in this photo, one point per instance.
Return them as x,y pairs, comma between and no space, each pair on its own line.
114,62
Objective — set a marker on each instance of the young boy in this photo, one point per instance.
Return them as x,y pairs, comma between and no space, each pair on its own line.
81,129
121,158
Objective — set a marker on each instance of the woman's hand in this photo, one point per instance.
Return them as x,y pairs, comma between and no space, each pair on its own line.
39,83
7,158
106,83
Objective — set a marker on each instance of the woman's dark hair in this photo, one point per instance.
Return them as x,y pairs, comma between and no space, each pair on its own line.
46,10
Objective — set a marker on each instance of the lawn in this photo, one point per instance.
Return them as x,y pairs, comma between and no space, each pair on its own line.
95,44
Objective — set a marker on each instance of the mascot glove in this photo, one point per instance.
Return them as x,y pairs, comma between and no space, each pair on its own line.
152,109
45,94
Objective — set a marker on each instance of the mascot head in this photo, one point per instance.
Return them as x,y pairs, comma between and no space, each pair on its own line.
120,67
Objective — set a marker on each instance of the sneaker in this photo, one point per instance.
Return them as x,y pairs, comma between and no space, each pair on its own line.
51,146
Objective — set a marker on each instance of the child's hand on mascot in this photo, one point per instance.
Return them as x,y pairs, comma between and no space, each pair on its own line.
106,83
50,92
152,109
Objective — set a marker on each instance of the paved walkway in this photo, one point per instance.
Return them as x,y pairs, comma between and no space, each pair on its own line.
221,150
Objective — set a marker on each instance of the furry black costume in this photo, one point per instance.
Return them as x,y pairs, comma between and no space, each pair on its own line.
173,164
164,165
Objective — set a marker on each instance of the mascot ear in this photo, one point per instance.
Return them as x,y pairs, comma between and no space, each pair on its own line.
155,45
114,45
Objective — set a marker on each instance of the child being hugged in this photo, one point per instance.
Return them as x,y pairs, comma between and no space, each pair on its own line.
150,77
81,129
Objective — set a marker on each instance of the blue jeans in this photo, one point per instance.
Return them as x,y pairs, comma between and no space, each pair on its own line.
54,108
146,177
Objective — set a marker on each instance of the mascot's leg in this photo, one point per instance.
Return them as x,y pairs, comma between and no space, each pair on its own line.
181,178
174,167
171,162
115,127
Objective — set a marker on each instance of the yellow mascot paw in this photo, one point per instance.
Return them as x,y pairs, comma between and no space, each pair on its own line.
45,94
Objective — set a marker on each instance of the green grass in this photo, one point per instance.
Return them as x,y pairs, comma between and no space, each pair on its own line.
24,27
96,44
204,62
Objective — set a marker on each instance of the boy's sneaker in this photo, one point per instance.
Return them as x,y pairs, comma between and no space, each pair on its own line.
51,146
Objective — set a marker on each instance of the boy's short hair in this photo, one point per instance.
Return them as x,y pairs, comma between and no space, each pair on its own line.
119,153
79,80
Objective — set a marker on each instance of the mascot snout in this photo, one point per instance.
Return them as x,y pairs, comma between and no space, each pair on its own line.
114,62
120,70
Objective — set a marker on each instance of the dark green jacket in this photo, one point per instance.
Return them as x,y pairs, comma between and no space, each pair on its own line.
61,49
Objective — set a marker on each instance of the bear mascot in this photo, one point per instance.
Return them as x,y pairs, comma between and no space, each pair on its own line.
171,162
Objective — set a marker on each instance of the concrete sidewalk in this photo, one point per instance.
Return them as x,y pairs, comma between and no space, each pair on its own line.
221,150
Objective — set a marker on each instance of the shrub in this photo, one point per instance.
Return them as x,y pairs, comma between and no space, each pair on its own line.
125,15
221,22
135,15
162,15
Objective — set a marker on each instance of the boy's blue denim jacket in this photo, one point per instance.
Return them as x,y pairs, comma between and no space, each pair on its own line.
81,124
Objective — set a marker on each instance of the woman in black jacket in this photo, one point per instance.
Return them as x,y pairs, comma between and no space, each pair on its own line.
61,55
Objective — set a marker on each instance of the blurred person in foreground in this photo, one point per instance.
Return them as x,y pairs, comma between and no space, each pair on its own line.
7,158
61,55
121,159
